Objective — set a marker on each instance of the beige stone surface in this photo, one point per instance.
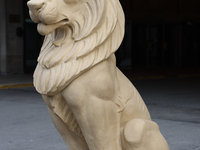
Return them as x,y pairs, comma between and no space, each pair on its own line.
91,103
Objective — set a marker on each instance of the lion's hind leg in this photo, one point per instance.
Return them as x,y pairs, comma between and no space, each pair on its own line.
140,134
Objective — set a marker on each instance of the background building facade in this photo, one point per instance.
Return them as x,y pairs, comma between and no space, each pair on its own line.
159,34
162,33
11,36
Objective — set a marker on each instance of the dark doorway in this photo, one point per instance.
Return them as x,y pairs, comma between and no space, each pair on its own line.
190,44
171,45
33,42
147,45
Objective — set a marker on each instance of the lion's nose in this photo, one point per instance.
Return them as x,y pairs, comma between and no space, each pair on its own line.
35,4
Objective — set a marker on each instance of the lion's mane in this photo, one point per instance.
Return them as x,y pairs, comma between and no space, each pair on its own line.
92,37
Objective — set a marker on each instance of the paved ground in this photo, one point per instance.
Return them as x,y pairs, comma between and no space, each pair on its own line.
173,103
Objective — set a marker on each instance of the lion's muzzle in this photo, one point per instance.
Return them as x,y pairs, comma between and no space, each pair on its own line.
34,7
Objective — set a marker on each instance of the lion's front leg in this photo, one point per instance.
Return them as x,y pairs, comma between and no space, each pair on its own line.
99,123
97,116
91,98
73,140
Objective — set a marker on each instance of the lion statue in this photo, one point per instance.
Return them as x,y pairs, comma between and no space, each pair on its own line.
91,103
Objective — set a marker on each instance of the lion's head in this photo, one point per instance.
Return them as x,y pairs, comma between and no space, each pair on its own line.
79,34
53,14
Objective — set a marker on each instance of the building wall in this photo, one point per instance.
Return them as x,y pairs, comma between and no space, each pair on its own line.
11,44
142,18
2,35
163,34
161,10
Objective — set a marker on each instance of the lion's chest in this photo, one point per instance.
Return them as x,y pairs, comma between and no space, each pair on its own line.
98,82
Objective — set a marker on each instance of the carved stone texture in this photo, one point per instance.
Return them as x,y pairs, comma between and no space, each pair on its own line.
91,103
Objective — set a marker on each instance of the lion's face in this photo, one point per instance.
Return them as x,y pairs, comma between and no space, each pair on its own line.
52,14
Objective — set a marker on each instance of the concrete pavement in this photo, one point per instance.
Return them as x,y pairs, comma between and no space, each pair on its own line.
173,103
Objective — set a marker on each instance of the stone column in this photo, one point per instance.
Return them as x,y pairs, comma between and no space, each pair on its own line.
11,43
